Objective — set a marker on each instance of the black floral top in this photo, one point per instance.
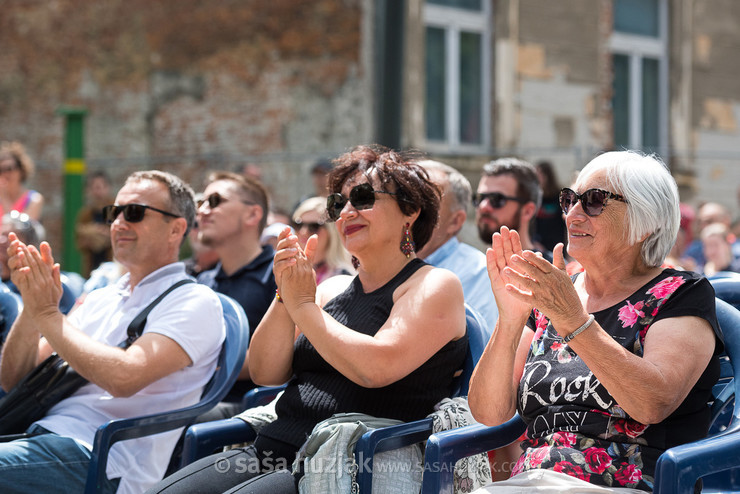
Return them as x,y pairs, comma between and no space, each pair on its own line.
574,426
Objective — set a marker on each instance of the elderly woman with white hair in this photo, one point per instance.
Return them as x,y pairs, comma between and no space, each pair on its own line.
615,364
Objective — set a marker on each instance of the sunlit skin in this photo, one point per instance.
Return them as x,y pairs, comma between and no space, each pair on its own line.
322,237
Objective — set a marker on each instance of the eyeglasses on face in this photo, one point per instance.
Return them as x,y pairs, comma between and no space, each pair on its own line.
133,213
313,227
8,168
361,197
497,200
593,200
215,200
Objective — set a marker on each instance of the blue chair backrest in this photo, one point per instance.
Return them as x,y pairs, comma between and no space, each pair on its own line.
233,351
729,322
230,362
477,341
726,408
727,289
11,305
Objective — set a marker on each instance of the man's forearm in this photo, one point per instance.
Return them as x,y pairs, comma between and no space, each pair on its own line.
20,352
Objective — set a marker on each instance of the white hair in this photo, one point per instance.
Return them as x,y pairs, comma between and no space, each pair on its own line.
652,199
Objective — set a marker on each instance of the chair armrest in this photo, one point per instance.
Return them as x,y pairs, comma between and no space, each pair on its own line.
260,396
386,439
119,430
445,448
202,439
679,468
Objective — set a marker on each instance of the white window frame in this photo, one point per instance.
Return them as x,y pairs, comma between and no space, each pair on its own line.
454,21
636,47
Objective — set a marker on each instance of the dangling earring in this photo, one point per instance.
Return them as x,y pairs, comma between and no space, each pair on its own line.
407,244
355,262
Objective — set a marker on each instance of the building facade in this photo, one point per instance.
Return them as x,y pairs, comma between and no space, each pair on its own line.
194,85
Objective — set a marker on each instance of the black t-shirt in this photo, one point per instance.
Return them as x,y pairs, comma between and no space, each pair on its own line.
576,427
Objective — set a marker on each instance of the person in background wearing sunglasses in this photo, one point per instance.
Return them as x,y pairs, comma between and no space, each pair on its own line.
444,250
16,167
231,217
166,368
330,257
599,372
509,194
386,342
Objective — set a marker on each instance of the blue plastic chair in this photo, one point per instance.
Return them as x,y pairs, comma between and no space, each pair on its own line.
11,305
230,362
401,435
677,469
728,289
202,439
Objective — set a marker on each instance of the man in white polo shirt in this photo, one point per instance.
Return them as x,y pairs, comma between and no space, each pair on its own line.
165,368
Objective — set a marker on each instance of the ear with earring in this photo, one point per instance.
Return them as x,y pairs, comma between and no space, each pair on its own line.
407,244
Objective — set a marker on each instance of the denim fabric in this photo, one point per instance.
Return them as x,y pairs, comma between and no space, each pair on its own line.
45,462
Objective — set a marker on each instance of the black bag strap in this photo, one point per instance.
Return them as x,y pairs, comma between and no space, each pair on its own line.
137,325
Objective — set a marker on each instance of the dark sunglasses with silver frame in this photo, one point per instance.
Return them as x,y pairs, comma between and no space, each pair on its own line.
361,197
133,213
592,201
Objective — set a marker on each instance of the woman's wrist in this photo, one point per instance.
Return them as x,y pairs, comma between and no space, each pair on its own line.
580,329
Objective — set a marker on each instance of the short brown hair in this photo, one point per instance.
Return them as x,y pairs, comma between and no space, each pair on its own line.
398,172
249,190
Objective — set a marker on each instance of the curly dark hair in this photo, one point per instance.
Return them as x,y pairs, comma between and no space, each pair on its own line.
397,172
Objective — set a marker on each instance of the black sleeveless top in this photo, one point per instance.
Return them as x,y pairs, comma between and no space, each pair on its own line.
317,390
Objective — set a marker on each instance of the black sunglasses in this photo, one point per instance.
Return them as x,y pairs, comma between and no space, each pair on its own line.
133,213
312,227
593,200
215,200
361,197
497,200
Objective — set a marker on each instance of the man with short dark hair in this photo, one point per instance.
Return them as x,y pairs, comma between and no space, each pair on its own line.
165,368
231,217
509,194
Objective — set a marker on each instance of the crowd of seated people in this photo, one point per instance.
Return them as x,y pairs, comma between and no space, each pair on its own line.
344,309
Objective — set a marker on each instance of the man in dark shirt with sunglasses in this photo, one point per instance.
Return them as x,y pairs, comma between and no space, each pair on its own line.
231,217
509,194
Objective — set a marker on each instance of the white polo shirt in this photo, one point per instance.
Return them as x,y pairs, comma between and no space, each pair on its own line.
192,316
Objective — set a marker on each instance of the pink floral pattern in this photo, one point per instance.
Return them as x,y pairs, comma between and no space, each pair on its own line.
629,314
597,460
574,425
628,476
570,469
628,427
666,287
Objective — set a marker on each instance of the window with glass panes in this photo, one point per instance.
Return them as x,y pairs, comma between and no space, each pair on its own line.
457,68
640,64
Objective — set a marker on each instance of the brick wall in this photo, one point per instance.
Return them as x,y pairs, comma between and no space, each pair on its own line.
185,86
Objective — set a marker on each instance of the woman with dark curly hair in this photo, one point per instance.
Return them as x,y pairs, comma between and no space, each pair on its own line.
387,342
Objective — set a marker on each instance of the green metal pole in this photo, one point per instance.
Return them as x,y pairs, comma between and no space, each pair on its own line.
74,175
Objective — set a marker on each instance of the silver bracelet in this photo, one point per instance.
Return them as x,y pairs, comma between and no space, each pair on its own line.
580,330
